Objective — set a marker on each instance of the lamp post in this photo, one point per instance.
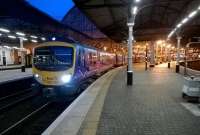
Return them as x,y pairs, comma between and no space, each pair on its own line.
130,24
178,54
168,55
130,55
146,57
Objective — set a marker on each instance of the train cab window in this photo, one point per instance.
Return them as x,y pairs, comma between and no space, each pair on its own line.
53,57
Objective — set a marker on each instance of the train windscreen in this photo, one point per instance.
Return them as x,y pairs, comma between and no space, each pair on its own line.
53,57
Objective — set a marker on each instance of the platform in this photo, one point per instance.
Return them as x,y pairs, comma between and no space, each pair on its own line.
152,106
8,75
10,67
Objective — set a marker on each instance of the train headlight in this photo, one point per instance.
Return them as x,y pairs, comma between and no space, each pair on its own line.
36,76
66,78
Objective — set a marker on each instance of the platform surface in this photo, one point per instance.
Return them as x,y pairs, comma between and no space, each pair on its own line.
8,75
10,67
152,106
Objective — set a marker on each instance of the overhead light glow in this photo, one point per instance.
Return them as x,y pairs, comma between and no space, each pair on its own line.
36,75
0,34
137,1
33,36
23,38
43,39
12,37
179,25
192,14
15,48
20,34
185,20
135,10
34,41
6,46
4,30
66,78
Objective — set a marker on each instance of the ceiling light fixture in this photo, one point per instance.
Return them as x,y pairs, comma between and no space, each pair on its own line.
33,36
12,37
20,34
4,30
34,41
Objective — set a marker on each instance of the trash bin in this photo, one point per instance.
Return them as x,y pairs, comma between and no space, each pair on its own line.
23,69
191,87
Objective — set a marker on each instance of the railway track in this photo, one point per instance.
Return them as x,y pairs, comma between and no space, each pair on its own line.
30,113
13,128
11,100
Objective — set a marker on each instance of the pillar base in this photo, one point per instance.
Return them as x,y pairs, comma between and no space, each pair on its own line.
146,66
151,65
177,68
23,69
129,78
169,65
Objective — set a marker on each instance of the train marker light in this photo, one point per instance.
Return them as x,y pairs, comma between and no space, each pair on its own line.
66,78
36,75
53,38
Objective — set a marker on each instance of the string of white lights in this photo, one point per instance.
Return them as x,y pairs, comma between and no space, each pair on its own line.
20,35
184,21
135,8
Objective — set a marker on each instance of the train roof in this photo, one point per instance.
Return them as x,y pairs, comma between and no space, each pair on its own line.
70,43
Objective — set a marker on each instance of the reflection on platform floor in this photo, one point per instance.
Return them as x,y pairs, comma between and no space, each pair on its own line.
152,106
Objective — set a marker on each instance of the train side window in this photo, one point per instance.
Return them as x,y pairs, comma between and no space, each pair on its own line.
81,57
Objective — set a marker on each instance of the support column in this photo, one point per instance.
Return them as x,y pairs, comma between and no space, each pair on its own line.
130,55
22,55
152,57
161,53
169,56
146,58
178,54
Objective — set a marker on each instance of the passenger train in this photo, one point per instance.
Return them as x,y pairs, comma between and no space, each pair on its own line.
59,68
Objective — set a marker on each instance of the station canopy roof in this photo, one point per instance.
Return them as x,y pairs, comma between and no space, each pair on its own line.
154,21
93,19
61,19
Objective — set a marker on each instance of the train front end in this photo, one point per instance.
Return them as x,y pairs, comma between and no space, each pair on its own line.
53,68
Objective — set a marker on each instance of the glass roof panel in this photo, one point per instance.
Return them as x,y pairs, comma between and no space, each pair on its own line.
54,8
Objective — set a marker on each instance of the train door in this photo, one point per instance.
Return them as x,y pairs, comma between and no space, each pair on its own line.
4,58
81,61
